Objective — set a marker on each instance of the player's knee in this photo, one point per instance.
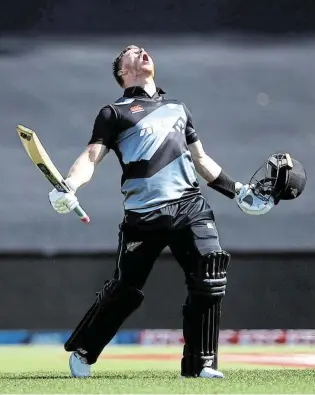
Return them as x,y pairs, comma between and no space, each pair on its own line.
117,292
207,285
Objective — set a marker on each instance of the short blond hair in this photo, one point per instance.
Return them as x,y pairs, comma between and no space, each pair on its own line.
117,65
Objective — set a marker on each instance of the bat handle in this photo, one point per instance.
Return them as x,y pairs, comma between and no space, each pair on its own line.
82,214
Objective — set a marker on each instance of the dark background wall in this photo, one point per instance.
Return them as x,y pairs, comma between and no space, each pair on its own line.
161,17
245,69
264,292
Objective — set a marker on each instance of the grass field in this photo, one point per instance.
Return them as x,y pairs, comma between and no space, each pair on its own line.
134,369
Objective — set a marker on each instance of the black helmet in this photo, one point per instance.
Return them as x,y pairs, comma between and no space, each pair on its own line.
281,177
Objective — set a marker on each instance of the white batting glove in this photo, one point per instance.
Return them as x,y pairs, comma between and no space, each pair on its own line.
249,203
63,202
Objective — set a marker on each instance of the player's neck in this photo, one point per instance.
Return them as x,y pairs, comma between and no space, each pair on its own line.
147,84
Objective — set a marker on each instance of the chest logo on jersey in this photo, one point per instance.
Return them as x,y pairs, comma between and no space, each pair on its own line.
135,109
179,127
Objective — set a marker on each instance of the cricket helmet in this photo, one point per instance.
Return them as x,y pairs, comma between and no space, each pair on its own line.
281,178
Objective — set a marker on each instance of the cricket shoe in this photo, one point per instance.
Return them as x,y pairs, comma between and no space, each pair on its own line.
209,373
78,365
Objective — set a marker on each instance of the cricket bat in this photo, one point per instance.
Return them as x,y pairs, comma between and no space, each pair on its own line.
42,161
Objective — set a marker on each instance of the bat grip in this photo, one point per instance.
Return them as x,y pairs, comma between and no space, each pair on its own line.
82,214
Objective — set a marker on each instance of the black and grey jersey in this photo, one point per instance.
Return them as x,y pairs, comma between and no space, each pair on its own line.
150,136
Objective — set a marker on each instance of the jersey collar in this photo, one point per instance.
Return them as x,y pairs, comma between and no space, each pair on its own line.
139,91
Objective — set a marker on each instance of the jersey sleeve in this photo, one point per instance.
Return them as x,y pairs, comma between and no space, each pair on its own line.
104,127
191,135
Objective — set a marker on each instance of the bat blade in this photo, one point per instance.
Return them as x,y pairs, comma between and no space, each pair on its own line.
42,161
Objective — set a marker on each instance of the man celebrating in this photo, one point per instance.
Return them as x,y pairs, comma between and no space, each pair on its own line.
160,155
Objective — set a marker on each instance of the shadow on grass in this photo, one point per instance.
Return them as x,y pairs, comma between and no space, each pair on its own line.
125,375
33,376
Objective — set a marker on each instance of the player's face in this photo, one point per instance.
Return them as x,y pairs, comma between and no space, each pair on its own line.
136,60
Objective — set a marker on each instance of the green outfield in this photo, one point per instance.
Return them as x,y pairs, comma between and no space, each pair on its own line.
134,369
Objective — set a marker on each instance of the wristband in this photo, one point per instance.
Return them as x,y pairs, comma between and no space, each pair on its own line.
224,184
72,185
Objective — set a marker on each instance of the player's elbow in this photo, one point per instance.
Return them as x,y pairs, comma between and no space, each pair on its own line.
207,168
94,153
200,167
199,159
199,164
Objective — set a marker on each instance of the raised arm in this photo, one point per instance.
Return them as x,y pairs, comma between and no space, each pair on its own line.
83,168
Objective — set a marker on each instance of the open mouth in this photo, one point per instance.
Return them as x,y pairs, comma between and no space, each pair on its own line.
145,57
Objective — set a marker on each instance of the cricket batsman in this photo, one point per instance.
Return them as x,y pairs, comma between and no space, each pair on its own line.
160,156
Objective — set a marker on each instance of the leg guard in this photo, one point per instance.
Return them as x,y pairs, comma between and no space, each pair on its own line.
201,313
113,304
